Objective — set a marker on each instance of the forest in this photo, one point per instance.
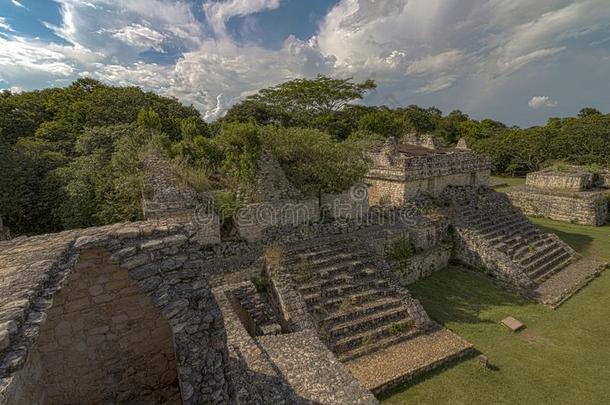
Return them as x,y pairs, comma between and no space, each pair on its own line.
70,157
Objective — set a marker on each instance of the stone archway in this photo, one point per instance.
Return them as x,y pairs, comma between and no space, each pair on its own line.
104,341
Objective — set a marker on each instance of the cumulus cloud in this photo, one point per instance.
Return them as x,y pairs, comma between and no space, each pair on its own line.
537,102
411,48
219,12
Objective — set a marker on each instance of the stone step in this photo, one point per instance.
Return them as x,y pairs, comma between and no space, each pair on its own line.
517,228
377,345
354,269
358,298
348,332
537,253
551,267
370,333
521,251
521,236
331,289
363,311
506,229
502,221
541,261
292,258
330,262
319,245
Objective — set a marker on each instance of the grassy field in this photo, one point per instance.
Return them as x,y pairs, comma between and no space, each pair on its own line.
509,181
562,357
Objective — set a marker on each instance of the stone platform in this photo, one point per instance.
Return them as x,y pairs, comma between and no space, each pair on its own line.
561,286
397,364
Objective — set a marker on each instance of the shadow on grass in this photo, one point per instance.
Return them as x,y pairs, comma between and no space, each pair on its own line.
430,374
459,295
578,241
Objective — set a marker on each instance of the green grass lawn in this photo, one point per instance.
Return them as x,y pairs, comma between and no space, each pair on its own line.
562,357
509,181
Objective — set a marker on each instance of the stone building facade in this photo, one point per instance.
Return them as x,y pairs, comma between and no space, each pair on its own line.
576,195
405,169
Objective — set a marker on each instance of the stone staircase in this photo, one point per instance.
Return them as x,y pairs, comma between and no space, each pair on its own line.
498,226
357,310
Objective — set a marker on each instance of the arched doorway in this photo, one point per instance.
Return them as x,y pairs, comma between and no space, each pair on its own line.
104,341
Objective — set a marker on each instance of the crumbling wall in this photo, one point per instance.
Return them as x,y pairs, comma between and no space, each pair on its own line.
253,220
587,208
406,177
385,192
350,204
550,180
165,196
423,264
434,186
46,313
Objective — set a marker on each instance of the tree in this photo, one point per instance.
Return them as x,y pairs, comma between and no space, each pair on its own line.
588,111
300,102
384,122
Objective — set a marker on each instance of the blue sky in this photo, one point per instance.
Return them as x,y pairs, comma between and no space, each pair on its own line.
519,61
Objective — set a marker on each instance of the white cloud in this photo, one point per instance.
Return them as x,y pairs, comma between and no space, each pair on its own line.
140,37
537,102
18,4
4,25
219,12
478,48
442,62
438,84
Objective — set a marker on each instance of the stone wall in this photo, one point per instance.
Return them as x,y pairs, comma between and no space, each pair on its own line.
434,186
587,208
551,180
445,164
165,196
399,176
104,341
163,260
603,180
351,204
385,192
423,264
253,220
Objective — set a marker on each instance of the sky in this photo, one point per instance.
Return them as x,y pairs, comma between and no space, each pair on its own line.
517,61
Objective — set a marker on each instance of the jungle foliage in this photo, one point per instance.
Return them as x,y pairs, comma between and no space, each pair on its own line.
70,157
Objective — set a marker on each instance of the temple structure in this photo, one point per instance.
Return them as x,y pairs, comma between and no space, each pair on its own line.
573,194
415,165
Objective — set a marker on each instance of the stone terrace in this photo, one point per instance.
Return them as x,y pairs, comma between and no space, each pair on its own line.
494,235
356,309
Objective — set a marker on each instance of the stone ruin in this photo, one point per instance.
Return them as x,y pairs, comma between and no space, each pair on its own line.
403,169
575,195
166,311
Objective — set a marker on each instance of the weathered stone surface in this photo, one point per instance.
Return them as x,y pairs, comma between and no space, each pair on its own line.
81,308
512,323
405,170
126,312
584,207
